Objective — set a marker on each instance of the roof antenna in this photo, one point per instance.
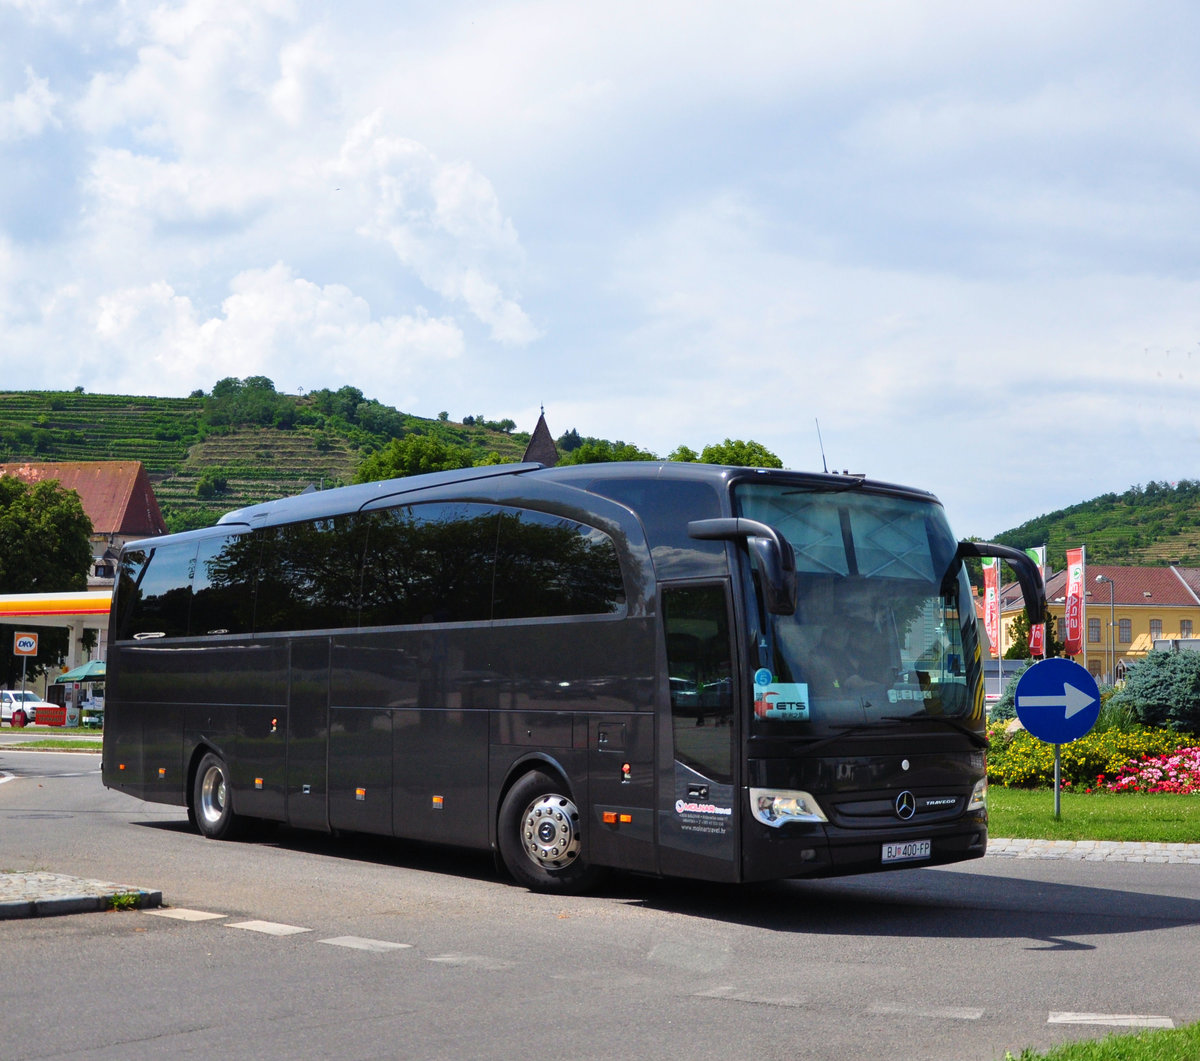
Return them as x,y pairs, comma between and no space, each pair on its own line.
822,445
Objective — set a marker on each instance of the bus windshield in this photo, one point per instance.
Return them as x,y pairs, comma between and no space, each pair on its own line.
884,626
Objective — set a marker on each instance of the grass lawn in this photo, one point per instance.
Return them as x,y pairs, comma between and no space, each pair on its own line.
52,744
1165,817
1180,1044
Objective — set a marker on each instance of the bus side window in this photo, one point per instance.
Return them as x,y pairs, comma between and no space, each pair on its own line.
308,575
428,563
700,675
548,565
223,586
157,591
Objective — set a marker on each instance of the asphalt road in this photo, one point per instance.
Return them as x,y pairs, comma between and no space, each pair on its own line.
311,947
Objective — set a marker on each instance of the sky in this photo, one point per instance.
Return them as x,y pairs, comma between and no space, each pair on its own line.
955,243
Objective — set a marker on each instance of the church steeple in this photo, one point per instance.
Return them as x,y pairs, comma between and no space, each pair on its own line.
541,448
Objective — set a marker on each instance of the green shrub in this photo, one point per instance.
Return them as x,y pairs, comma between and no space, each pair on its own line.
1024,761
1164,689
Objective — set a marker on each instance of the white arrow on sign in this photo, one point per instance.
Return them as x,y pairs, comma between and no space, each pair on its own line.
1072,699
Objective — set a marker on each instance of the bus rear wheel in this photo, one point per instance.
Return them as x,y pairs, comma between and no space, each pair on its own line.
541,838
212,799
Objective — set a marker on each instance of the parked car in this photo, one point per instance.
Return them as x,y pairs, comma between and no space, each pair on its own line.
15,702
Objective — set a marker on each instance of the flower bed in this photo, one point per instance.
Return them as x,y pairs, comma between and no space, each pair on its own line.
1178,771
1022,760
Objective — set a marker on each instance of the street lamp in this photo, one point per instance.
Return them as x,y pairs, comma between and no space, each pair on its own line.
1112,624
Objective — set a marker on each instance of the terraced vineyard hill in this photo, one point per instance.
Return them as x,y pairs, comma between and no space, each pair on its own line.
1157,524
45,426
256,464
203,460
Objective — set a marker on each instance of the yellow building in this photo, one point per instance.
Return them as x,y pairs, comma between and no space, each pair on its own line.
1126,610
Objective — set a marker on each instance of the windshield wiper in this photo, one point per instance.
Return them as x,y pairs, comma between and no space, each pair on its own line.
808,749
978,739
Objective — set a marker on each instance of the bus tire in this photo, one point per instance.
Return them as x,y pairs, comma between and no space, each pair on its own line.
212,799
540,835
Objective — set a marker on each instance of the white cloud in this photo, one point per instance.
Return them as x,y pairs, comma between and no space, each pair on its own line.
443,220
273,322
933,225
30,112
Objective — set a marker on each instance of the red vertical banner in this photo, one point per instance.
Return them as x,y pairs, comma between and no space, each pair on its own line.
1037,640
1037,632
1075,583
991,602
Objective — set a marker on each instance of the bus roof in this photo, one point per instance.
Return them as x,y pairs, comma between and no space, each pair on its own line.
317,504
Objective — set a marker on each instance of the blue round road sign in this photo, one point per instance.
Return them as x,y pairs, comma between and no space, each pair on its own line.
1057,700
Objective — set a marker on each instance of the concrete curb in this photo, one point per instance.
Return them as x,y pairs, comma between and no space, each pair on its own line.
54,894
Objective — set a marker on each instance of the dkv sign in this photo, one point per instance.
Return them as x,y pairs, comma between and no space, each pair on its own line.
25,645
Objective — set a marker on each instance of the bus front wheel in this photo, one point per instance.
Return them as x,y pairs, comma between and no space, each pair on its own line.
541,838
212,799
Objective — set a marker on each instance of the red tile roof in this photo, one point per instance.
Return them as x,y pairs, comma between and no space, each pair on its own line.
1164,587
116,495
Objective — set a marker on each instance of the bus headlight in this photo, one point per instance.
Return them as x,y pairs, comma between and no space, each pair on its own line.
978,800
776,807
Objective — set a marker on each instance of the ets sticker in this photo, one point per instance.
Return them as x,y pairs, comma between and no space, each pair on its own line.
787,701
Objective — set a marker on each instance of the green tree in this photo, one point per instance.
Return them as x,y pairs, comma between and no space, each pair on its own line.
568,441
1164,690
601,451
1019,632
740,454
413,455
684,455
44,548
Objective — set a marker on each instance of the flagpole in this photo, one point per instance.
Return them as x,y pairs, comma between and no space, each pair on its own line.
1083,626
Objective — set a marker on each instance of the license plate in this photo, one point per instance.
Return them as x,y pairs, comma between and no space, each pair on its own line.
908,851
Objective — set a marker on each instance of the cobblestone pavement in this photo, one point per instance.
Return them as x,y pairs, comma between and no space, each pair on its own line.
1095,850
46,894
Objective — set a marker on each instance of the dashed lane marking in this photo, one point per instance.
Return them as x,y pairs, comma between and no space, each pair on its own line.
379,946
269,928
179,913
472,961
730,994
1112,1020
753,998
889,1009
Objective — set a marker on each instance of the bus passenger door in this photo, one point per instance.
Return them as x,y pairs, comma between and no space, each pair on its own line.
308,735
698,820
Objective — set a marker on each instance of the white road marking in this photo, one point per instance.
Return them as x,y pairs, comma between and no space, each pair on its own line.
379,946
733,994
883,1009
473,961
270,928
1112,1020
179,913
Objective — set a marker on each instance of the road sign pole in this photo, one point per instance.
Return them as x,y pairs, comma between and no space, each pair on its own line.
1057,782
1057,702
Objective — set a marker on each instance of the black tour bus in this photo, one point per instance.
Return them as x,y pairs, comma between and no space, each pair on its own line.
728,674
